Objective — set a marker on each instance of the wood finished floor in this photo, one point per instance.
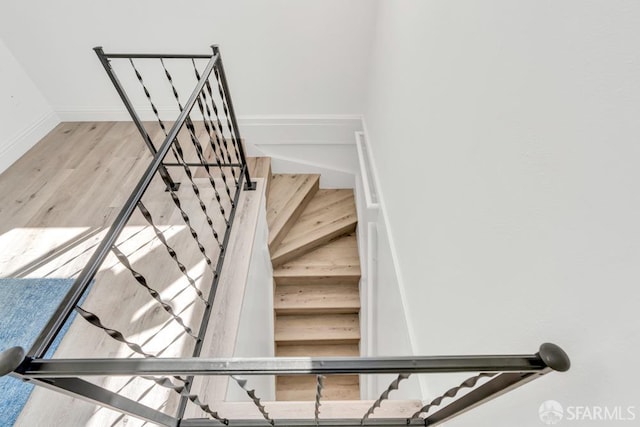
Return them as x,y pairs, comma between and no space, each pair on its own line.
56,204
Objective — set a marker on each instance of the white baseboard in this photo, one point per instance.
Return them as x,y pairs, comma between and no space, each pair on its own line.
116,114
21,142
255,129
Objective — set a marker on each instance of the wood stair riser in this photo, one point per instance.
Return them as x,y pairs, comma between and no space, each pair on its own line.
345,279
316,299
317,328
335,262
318,350
303,387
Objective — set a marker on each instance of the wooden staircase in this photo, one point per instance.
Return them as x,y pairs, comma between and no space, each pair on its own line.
316,275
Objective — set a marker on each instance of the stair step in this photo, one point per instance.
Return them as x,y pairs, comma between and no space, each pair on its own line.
329,214
316,298
336,262
260,167
303,387
288,197
332,328
318,350
353,409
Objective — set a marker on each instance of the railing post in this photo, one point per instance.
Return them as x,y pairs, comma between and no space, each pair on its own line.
10,359
249,185
134,116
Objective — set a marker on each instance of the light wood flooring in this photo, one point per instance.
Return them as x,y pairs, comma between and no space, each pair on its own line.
56,204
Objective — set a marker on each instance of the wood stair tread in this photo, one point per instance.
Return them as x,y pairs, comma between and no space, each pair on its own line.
314,252
335,262
329,214
288,197
317,298
303,387
315,350
348,409
334,328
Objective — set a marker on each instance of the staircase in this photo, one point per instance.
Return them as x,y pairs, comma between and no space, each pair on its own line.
316,275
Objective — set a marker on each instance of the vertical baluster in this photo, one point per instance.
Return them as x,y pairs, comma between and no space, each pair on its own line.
468,383
319,387
154,294
196,143
234,140
94,320
226,151
211,129
232,121
179,154
384,396
172,253
252,395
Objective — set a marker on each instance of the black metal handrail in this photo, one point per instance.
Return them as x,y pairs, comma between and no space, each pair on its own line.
71,299
156,167
64,368
501,372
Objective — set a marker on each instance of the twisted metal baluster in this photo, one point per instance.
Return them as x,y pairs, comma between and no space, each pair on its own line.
161,381
216,126
203,161
194,234
205,407
210,127
94,320
196,143
319,387
202,157
226,112
154,294
468,383
176,148
226,150
196,191
153,106
384,396
182,391
147,215
252,394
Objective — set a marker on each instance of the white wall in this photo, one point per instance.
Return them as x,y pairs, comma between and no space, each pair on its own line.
25,115
306,145
506,139
281,56
255,331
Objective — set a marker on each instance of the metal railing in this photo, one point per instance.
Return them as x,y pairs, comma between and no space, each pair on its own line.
502,373
225,171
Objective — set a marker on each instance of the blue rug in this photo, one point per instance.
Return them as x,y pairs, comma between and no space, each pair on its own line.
25,307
